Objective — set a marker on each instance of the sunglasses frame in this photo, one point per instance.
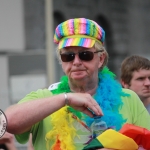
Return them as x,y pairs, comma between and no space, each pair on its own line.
79,55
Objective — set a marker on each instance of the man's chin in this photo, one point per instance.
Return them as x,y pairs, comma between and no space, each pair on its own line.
145,96
78,76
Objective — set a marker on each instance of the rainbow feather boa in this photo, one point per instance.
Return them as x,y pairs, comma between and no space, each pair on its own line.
108,96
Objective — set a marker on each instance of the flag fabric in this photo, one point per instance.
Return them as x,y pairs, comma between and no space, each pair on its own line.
130,137
112,139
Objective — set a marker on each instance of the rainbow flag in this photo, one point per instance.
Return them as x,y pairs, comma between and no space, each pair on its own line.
130,137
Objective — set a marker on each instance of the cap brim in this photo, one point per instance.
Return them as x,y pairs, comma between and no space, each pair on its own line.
83,42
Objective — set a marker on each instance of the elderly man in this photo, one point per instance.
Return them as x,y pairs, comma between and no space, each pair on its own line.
60,117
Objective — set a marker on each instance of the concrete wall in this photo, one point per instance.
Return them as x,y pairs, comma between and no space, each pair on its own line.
12,37
4,94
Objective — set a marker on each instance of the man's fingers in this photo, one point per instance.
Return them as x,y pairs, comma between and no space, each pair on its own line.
85,103
95,108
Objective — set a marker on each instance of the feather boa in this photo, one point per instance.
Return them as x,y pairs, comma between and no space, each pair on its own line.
63,131
108,96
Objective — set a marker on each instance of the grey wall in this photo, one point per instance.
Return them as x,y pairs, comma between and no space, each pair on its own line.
125,22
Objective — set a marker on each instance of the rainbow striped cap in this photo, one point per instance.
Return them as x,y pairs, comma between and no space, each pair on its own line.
78,32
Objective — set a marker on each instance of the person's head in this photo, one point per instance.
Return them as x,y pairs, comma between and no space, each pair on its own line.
135,75
80,48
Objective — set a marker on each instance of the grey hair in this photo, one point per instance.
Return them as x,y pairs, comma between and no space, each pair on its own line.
97,46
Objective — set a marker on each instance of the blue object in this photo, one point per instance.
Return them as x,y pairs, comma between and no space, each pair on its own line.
98,126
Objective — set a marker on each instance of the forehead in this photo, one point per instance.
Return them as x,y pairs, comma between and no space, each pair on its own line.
141,73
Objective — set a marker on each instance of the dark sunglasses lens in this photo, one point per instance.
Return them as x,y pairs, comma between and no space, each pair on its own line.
86,55
66,57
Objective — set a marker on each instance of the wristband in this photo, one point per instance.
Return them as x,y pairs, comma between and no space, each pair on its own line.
66,98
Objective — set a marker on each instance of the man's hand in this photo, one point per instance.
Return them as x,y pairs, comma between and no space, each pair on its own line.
7,137
85,103
8,140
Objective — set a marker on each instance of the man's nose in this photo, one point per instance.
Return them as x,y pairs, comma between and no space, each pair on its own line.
77,60
147,81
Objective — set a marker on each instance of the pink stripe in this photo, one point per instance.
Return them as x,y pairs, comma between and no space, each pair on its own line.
69,41
100,33
70,27
58,32
83,26
87,43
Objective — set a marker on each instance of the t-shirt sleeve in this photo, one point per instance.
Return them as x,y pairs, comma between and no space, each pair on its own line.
34,95
41,93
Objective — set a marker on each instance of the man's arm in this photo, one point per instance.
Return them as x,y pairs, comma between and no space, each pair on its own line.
22,116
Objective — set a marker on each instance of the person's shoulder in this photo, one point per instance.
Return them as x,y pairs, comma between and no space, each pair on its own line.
130,96
53,86
44,91
129,92
47,91
133,99
33,95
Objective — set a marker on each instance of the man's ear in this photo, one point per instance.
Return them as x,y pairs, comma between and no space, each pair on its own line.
101,60
125,85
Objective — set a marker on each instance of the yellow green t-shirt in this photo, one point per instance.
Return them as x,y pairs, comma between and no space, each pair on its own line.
132,110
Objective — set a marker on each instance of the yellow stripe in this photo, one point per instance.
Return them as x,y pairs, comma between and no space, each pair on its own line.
81,36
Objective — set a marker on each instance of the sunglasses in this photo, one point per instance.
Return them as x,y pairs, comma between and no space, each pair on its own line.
84,55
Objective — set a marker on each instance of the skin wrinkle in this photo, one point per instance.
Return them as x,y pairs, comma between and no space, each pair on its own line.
82,75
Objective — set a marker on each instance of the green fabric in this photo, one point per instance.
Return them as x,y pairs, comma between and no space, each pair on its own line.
133,110
94,144
40,129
